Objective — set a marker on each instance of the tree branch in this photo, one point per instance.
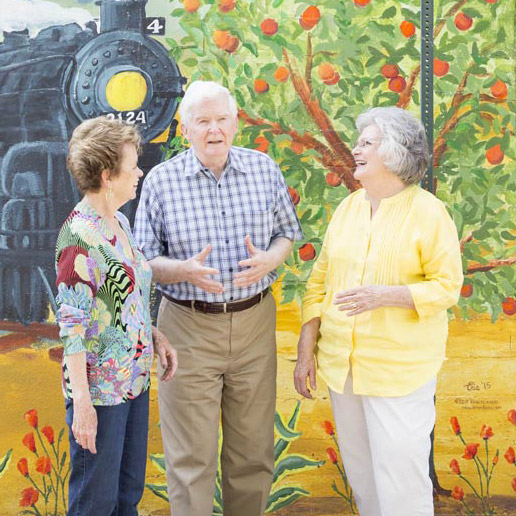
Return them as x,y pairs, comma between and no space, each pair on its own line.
465,239
493,264
309,61
318,115
440,145
327,158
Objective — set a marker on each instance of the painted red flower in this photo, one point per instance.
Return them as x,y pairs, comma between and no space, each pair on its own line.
486,432
496,457
328,427
48,432
31,416
23,467
511,416
454,466
43,465
332,455
29,497
454,422
28,440
513,483
470,451
509,455
457,493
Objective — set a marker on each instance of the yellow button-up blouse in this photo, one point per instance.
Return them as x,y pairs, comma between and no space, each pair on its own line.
411,241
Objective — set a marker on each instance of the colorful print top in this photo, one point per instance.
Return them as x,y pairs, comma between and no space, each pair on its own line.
103,299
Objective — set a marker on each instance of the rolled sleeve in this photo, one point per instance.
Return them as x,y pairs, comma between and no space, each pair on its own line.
442,267
286,222
148,223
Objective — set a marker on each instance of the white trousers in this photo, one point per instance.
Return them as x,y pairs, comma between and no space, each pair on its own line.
385,446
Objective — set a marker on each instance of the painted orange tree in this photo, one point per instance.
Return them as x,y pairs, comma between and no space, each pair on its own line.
302,73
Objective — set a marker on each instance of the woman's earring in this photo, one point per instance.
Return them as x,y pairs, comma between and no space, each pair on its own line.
109,194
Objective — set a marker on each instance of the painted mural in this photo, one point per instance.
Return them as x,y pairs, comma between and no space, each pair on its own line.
301,72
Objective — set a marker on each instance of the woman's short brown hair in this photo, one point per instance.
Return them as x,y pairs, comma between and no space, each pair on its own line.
96,145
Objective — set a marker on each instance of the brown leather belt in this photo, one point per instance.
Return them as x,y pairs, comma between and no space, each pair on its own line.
219,308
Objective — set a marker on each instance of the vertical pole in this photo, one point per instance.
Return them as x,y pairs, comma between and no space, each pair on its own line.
427,84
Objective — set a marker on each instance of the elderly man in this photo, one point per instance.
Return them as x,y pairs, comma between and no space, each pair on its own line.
215,222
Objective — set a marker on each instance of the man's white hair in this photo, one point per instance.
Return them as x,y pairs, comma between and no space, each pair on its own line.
203,90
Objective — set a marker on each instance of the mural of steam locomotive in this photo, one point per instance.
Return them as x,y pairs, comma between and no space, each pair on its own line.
48,85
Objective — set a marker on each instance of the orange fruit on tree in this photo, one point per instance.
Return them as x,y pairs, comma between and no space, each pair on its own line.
261,86
226,5
333,80
220,38
495,155
232,44
361,3
281,74
306,252
325,71
262,142
269,27
408,29
463,21
441,67
310,17
499,89
333,179
397,84
509,306
294,195
191,5
390,70
466,290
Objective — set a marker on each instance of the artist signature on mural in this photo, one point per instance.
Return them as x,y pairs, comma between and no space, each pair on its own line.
474,386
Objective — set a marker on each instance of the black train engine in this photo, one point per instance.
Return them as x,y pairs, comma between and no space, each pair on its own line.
48,85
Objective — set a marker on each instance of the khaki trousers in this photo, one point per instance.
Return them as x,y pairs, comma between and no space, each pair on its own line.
227,363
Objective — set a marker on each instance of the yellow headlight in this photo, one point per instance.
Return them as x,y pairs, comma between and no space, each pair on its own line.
126,91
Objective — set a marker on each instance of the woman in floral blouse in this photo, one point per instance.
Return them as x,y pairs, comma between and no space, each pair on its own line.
103,284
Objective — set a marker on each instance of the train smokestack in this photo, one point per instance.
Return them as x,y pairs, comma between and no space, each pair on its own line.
122,15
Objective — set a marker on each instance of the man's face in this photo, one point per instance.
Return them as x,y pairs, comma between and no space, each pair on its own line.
210,130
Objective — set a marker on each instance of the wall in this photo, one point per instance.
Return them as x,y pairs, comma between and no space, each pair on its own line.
301,75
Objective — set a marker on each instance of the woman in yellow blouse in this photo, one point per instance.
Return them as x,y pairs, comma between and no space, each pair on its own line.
374,314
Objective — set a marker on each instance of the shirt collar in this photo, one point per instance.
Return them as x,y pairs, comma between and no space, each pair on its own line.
194,166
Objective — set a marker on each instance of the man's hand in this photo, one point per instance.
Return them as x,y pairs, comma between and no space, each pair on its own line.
259,264
194,272
167,355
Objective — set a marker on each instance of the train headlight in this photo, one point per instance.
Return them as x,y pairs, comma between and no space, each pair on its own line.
126,91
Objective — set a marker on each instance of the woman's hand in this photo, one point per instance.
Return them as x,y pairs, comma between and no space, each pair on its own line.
362,299
167,355
84,425
305,366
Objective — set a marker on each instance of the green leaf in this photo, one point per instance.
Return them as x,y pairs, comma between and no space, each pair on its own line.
390,12
251,47
4,463
158,459
160,490
284,497
191,62
285,432
294,463
277,3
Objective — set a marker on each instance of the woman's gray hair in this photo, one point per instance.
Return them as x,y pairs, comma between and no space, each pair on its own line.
404,148
203,90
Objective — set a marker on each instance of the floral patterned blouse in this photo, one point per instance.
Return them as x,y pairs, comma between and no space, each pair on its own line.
103,299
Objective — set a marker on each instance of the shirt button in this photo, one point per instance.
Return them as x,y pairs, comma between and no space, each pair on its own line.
231,298
220,186
223,213
231,269
227,241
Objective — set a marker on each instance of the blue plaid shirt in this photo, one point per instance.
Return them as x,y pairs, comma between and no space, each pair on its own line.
183,208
